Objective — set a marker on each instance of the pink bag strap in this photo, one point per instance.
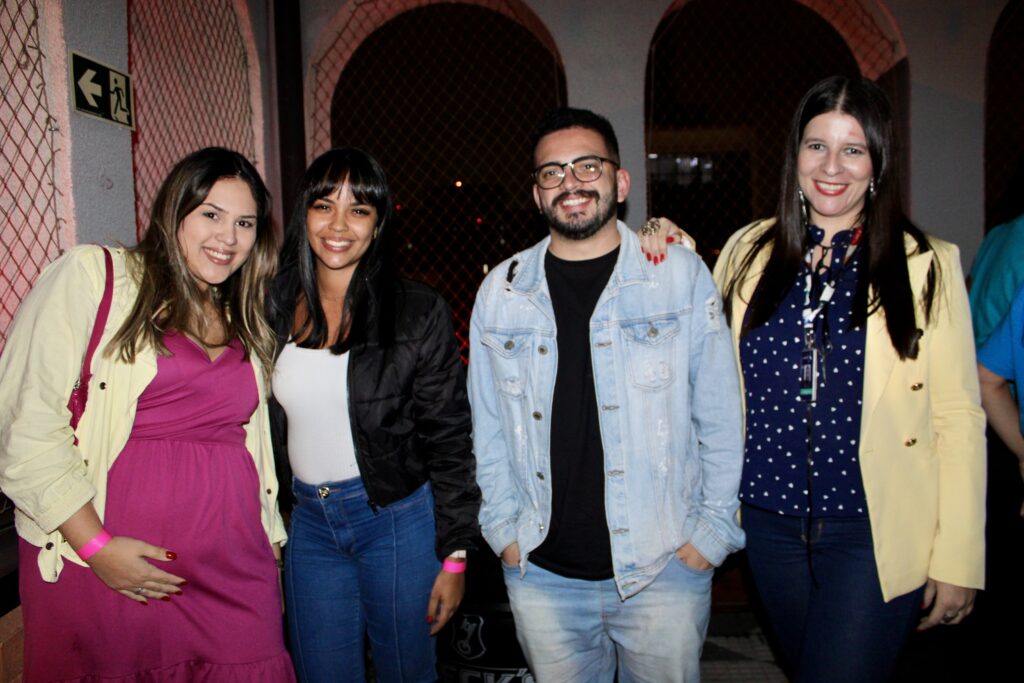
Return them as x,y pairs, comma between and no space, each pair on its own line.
101,320
80,392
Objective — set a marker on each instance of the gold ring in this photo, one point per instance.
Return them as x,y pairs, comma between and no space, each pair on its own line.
650,227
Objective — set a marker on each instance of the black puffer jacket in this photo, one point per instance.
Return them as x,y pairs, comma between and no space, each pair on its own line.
410,418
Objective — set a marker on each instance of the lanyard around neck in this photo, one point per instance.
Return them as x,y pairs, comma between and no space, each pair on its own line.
809,313
810,356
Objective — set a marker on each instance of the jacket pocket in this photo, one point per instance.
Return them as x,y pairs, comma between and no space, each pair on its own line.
649,346
509,352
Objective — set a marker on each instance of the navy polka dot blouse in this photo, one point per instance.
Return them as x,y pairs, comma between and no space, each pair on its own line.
802,456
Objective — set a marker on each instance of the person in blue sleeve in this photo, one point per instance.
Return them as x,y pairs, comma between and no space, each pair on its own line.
1000,363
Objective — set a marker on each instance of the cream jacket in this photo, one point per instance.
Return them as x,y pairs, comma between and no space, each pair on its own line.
41,470
922,433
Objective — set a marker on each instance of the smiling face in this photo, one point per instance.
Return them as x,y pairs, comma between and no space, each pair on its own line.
834,170
217,236
340,229
578,210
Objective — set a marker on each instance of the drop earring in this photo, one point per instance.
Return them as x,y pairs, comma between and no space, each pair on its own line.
803,205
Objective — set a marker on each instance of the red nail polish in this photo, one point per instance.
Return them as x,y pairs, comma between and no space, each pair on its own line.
430,619
648,256
670,239
172,555
143,603
166,598
183,583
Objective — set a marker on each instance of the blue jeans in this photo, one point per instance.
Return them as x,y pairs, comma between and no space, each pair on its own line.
574,631
839,630
350,570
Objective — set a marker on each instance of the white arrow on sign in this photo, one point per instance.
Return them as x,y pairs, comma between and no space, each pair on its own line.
89,89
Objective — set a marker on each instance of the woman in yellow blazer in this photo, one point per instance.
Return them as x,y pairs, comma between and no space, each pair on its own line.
864,478
164,496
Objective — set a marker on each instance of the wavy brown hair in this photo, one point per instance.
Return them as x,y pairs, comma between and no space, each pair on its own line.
169,295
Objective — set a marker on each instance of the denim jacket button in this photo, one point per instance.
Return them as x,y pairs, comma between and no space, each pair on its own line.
917,386
652,332
540,475
537,415
542,350
509,345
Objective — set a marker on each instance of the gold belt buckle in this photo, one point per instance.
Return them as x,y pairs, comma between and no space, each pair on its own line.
324,491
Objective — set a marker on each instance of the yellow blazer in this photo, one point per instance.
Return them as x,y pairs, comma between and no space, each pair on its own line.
922,432
41,469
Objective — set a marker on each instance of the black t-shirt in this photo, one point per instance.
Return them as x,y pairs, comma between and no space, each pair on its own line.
577,544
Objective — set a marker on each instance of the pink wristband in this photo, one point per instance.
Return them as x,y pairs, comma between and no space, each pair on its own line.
94,546
453,567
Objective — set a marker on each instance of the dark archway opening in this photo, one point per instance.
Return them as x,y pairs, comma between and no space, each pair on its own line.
723,80
446,96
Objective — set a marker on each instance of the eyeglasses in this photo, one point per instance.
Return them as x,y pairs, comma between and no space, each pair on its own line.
586,169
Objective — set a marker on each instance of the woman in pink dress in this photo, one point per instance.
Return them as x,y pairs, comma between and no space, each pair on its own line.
149,533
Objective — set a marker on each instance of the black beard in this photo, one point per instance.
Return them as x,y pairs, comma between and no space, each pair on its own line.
580,230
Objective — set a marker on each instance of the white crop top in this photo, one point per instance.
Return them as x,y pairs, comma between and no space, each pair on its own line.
312,387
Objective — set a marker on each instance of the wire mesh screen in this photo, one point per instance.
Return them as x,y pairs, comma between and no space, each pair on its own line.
446,96
1004,135
723,80
192,65
30,232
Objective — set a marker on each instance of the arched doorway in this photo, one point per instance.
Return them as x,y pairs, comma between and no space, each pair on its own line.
445,95
723,80
1004,135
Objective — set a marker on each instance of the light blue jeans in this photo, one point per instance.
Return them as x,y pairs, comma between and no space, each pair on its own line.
351,570
581,631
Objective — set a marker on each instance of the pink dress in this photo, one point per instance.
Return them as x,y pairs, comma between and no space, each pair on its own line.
184,481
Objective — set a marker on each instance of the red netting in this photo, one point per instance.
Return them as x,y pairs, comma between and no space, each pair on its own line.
445,95
723,80
30,232
192,65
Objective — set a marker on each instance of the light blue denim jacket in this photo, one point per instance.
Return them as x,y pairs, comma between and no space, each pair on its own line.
668,397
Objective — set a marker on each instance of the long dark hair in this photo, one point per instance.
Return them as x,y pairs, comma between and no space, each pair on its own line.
169,296
885,223
370,294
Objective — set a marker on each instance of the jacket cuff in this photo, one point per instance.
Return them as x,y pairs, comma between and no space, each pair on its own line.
501,535
77,491
708,544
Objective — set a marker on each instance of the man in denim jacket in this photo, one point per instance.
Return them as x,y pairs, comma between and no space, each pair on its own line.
607,428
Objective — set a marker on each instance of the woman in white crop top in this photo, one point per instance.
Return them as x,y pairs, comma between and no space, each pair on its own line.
370,412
